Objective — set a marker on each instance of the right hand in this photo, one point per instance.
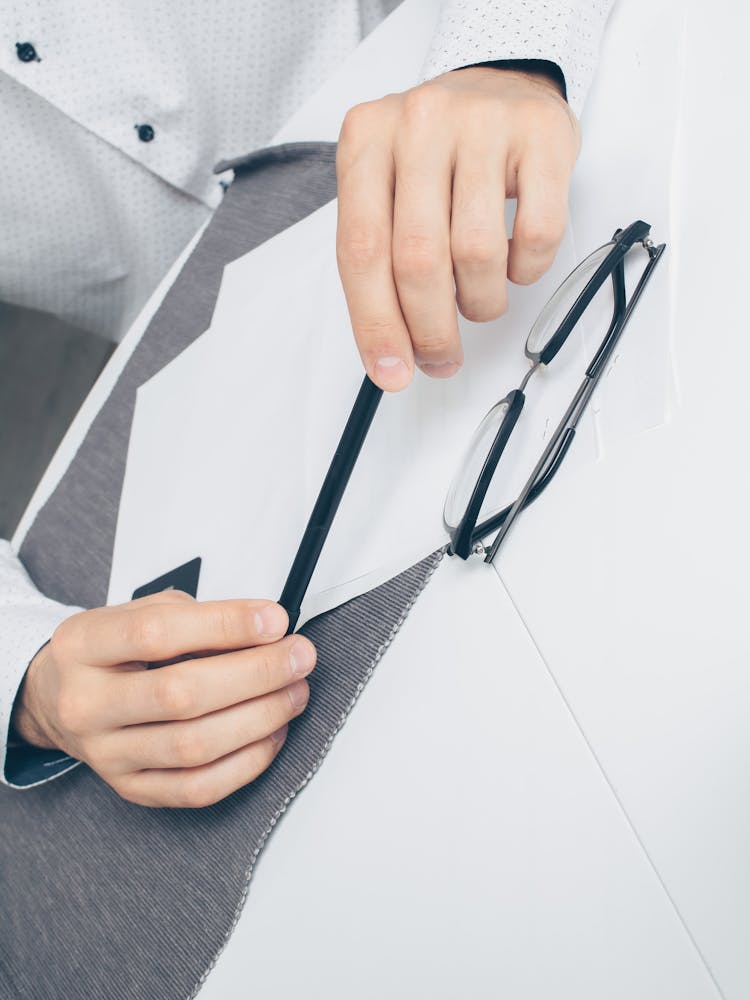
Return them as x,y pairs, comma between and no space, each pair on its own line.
188,733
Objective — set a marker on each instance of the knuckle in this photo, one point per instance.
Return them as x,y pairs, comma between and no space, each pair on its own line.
196,791
482,311
378,337
181,595
187,748
554,117
72,711
89,749
267,666
229,624
478,248
148,633
131,792
422,103
360,247
378,331
540,234
67,640
356,123
162,597
156,598
173,695
431,345
417,257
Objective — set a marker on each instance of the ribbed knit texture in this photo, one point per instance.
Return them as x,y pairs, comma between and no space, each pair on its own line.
102,898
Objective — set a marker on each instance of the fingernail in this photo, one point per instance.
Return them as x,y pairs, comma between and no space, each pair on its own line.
391,373
298,694
302,658
444,369
280,735
271,620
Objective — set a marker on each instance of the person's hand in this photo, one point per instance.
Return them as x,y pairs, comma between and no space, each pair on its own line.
422,182
188,733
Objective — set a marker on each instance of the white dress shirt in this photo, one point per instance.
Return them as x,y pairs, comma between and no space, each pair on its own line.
111,120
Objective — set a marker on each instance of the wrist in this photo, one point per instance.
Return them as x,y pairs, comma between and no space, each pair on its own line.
26,723
541,70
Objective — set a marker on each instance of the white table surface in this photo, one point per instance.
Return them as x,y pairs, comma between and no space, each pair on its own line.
460,839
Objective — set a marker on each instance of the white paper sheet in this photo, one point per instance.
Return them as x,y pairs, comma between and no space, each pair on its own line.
236,435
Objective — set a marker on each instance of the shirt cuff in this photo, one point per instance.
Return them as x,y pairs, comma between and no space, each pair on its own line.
27,620
566,34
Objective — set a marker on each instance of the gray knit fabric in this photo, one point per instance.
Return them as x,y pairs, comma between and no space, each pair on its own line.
105,899
102,898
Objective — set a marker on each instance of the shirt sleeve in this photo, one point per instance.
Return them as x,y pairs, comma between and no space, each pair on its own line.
27,620
567,34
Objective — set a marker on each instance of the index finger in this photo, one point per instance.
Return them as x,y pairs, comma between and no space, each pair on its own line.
363,250
160,631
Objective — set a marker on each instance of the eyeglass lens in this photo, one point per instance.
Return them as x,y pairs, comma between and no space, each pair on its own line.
471,467
562,301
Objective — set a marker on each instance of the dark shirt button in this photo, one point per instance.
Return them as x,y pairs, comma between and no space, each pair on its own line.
145,132
26,52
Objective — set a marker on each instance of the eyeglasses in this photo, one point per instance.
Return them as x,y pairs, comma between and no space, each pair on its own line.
468,516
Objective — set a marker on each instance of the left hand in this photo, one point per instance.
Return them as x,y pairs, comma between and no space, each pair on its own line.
422,182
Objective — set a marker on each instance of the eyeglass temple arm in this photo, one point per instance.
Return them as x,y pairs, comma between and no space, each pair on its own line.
329,498
602,356
554,456
494,523
566,429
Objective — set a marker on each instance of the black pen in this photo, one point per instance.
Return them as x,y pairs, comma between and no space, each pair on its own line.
329,498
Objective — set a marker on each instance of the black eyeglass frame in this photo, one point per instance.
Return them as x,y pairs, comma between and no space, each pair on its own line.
467,536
